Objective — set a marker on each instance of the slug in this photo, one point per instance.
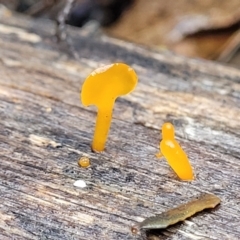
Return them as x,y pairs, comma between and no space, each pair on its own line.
179,213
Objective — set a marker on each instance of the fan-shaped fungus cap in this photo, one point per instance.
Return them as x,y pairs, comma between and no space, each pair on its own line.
101,88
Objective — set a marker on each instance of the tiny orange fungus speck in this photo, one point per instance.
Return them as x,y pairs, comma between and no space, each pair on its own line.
84,162
174,154
101,88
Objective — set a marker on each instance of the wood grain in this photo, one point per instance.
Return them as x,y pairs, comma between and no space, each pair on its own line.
44,130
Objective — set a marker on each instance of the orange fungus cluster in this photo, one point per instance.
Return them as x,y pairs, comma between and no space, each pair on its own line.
101,88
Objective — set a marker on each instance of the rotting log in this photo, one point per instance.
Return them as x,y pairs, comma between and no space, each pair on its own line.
44,130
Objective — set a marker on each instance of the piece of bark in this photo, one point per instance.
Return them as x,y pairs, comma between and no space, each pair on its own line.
44,130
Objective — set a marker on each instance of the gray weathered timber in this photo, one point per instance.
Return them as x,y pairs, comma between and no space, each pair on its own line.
44,130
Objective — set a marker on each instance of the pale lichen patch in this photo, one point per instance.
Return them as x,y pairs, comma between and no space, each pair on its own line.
43,141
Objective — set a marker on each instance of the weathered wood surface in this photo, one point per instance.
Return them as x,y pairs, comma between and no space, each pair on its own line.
44,130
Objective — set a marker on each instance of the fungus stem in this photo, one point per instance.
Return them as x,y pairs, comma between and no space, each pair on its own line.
102,127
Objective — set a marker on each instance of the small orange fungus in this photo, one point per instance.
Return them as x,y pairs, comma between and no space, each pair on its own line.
101,88
84,162
174,154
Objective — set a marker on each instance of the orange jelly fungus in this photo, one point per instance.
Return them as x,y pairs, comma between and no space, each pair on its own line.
101,88
174,154
84,162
